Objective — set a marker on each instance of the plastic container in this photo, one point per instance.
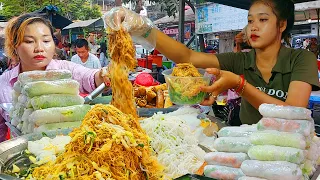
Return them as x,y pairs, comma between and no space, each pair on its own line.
142,62
167,64
186,90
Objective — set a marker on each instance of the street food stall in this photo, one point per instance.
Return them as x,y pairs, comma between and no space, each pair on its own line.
136,136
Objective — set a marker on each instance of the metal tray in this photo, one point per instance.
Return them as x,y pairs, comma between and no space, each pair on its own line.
13,147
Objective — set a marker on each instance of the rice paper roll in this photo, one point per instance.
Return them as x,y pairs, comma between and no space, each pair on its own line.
222,172
244,131
226,159
15,96
295,126
49,75
284,112
14,122
59,114
55,126
23,99
250,178
17,86
19,126
55,100
313,152
26,114
39,88
277,138
232,144
276,153
308,167
17,111
273,170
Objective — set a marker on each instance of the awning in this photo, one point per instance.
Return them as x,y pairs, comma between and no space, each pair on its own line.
306,11
56,19
92,23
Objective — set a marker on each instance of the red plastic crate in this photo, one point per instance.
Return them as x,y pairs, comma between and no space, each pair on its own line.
156,60
142,62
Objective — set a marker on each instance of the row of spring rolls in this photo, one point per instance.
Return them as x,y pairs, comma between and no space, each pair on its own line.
256,170
306,128
53,118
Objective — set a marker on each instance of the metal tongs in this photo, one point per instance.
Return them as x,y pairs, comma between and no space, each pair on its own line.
88,99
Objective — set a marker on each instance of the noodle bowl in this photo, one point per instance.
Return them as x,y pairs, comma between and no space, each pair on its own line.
185,89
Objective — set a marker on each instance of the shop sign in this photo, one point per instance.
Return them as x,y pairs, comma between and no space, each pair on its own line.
171,31
211,18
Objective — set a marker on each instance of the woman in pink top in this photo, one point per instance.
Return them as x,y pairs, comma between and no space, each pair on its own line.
29,40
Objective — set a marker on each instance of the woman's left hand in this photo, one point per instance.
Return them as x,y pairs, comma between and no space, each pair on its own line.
224,80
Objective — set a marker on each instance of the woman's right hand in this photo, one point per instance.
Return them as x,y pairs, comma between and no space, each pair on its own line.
133,23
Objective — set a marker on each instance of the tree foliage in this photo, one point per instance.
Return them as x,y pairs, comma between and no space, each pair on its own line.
72,9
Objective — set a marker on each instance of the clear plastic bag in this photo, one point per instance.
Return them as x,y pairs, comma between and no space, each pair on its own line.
222,172
226,159
274,170
55,100
244,131
276,153
49,75
296,126
138,26
277,138
59,114
39,88
232,144
284,112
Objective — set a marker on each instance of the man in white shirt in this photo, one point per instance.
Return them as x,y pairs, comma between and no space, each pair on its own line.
84,57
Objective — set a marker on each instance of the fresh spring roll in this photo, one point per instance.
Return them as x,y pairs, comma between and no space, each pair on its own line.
55,100
275,170
313,152
295,126
14,122
50,75
232,144
226,159
308,167
55,126
244,131
250,178
283,139
25,120
59,114
17,111
284,112
222,172
23,99
38,88
17,86
15,96
276,153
